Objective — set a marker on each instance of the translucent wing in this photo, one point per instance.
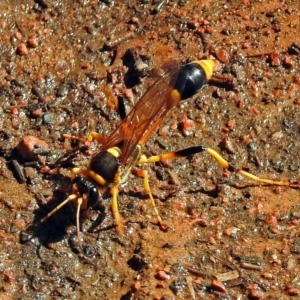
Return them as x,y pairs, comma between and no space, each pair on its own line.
144,114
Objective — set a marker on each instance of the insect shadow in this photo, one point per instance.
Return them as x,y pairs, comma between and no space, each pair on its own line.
60,227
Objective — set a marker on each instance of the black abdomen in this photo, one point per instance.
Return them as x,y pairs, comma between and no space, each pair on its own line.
190,80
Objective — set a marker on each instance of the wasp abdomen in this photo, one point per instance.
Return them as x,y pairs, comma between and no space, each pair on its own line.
190,80
105,164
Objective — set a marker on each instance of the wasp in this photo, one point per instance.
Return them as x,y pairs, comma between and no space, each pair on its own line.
122,150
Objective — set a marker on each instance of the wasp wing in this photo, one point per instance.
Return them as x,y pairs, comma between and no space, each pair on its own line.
145,112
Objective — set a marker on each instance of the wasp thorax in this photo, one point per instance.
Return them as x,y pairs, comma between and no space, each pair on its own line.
105,164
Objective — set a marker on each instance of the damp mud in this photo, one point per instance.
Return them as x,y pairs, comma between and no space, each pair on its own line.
65,67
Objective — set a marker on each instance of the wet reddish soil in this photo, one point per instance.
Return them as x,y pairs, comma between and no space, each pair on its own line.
63,66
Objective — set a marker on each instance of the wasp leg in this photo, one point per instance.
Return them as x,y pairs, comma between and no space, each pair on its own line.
224,163
114,191
92,136
96,136
79,202
75,137
172,155
56,209
115,210
78,171
144,175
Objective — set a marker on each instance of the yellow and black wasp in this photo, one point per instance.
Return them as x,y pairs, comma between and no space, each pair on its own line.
122,149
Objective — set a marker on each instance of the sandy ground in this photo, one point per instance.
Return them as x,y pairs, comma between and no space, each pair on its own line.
63,67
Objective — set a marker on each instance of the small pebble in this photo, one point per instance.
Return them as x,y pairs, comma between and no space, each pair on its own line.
32,42
26,147
162,275
218,286
187,126
222,55
256,294
293,292
22,49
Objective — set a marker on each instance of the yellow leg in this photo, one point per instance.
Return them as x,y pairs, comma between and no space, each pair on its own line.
115,210
92,136
144,174
78,171
96,136
74,137
79,202
224,163
57,208
264,180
